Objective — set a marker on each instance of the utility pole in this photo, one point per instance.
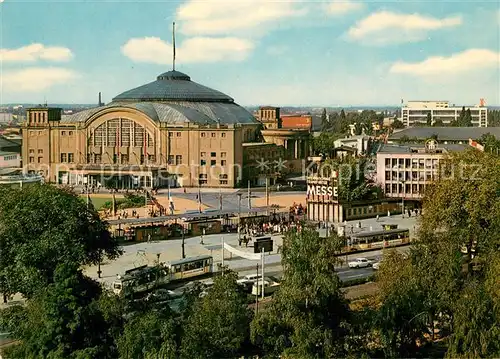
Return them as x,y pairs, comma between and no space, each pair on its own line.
183,249
267,196
249,197
257,294
262,256
239,216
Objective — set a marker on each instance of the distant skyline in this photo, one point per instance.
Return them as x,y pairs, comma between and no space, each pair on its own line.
282,53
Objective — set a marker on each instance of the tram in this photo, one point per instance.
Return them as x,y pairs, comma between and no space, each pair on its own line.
385,238
146,278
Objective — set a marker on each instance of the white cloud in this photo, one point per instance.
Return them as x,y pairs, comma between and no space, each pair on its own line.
341,7
385,27
215,17
35,52
193,50
35,79
469,60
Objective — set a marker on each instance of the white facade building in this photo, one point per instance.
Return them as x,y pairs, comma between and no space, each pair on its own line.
10,160
417,112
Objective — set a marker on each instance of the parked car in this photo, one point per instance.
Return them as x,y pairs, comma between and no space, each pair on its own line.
376,265
360,263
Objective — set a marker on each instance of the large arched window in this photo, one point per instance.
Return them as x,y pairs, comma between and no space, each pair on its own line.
121,132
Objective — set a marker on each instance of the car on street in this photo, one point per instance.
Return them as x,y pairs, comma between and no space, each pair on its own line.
360,263
376,265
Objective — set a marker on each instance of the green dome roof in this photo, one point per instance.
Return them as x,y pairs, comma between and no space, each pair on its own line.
173,86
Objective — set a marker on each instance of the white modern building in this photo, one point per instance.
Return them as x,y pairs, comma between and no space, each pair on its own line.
405,171
418,111
10,160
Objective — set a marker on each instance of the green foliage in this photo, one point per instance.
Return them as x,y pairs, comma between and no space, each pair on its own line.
490,143
494,118
41,227
450,281
325,143
429,119
438,123
61,321
309,316
149,335
218,324
397,124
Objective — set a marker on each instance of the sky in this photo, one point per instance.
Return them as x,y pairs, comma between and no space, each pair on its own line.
260,52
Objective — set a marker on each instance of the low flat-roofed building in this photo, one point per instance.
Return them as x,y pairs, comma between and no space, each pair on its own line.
444,135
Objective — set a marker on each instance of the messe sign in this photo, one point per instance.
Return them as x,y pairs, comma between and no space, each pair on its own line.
319,190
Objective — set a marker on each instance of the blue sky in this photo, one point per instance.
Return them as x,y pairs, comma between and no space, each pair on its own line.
320,53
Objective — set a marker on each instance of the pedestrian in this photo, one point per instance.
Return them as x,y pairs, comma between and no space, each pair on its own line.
149,237
378,217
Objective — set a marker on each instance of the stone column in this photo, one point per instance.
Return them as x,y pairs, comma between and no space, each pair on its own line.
296,149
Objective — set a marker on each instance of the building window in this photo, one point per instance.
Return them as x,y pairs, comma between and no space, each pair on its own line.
97,158
223,135
223,176
223,181
213,134
64,158
202,179
170,159
178,159
115,158
223,162
151,158
170,134
203,162
32,159
124,159
387,175
178,134
203,154
213,162
40,151
213,154
63,133
70,133
32,151
71,158
203,134
223,154
40,159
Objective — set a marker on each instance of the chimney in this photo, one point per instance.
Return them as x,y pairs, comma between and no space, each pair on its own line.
100,102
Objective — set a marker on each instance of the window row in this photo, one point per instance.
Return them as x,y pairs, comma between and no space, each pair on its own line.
32,159
213,154
411,163
409,176
213,162
212,134
123,158
122,133
10,158
67,158
33,151
398,188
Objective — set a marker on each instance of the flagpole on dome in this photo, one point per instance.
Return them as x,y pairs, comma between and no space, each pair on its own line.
173,46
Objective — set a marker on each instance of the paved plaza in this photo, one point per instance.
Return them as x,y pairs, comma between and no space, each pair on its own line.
147,253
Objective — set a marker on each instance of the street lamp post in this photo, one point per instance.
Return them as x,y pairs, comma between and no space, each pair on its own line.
403,199
239,216
183,250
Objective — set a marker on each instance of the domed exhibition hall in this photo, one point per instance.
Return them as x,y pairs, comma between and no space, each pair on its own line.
172,130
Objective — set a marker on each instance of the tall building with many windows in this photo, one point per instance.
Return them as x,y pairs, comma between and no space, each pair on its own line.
419,112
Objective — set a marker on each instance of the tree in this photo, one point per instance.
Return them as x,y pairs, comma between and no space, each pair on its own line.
467,121
397,124
41,227
325,143
490,143
324,120
429,119
150,335
218,325
459,239
309,316
61,321
438,123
